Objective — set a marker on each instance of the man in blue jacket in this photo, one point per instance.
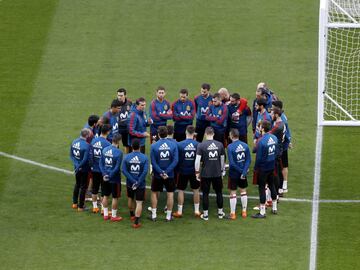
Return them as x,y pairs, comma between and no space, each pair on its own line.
218,116
239,162
135,167
79,154
110,168
113,115
265,165
164,158
202,103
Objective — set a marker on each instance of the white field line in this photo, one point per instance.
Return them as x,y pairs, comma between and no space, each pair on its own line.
148,187
315,200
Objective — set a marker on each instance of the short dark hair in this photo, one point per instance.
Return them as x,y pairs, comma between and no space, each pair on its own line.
170,129
160,88
105,129
277,111
209,131
266,125
105,120
205,86
135,144
162,131
261,102
116,138
234,133
217,95
139,100
93,119
235,96
278,103
85,132
184,91
122,90
115,103
190,129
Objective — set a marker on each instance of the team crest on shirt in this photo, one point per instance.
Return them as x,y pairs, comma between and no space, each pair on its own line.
165,107
188,108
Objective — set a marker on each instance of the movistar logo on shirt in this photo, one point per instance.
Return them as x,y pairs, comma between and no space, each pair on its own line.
270,141
212,147
135,160
204,110
109,153
240,148
190,146
164,146
76,145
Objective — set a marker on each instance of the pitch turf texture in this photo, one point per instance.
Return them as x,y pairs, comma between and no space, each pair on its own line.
63,60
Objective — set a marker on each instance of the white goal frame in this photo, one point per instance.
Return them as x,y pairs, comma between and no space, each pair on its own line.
324,27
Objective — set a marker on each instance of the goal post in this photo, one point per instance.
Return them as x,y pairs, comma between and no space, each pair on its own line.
339,63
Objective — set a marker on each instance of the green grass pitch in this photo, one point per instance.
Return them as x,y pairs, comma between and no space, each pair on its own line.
61,61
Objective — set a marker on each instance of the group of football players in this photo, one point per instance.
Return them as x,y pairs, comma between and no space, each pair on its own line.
178,153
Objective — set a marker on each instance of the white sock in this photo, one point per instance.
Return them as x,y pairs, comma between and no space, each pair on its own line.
153,213
268,194
95,205
196,207
220,211
244,200
206,213
233,201
180,208
284,184
262,209
113,212
168,214
106,212
274,205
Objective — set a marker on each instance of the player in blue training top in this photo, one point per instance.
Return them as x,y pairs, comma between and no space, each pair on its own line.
124,110
186,171
138,123
262,115
113,115
160,112
135,167
202,103
264,166
110,168
239,162
218,116
79,154
92,125
164,158
98,144
183,113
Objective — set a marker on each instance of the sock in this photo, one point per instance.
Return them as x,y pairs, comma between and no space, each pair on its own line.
268,196
284,184
206,213
262,209
168,214
196,207
180,208
153,213
220,211
233,201
244,200
132,213
113,212
95,205
137,219
102,206
106,212
274,205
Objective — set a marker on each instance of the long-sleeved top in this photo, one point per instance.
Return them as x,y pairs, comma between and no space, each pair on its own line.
160,112
187,155
137,125
80,154
110,163
266,153
279,129
135,167
98,144
183,114
114,119
164,157
124,114
261,116
238,118
202,106
239,159
218,116
287,133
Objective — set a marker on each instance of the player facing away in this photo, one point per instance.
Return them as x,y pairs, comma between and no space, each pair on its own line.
183,114
138,123
124,110
160,112
164,158
239,162
209,166
110,168
135,167
79,154
264,166
186,171
98,144
202,103
218,116
113,115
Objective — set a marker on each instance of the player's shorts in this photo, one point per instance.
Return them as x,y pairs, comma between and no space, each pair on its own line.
138,194
158,184
97,181
284,159
234,183
182,181
111,188
216,183
124,137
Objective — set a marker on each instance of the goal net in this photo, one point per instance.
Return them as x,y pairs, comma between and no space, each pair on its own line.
339,63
